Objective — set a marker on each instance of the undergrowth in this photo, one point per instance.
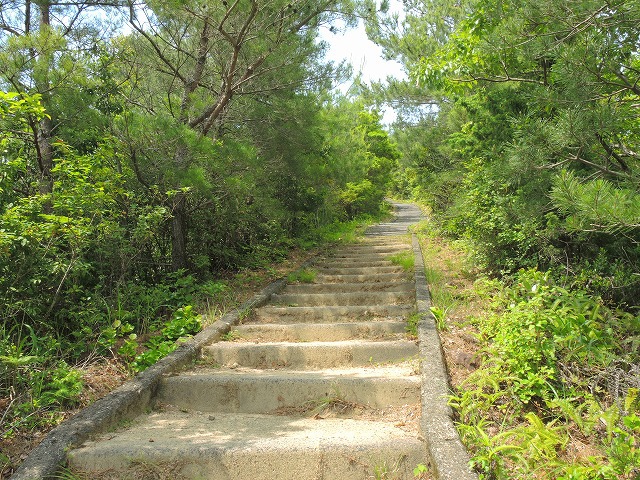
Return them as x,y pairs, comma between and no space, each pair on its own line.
557,393
305,275
553,391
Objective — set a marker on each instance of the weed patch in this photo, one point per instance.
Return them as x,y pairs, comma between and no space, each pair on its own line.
543,383
412,325
334,403
230,336
405,260
552,391
305,275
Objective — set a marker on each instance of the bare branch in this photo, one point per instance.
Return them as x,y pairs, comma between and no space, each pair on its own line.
600,168
153,44
612,153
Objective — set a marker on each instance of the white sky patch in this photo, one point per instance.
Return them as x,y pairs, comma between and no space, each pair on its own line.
365,57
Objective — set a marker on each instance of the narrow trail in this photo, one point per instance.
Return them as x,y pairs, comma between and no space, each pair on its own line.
321,383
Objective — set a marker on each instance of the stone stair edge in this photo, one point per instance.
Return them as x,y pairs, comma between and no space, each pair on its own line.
449,457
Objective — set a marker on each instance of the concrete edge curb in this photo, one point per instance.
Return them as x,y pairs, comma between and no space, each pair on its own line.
133,397
448,456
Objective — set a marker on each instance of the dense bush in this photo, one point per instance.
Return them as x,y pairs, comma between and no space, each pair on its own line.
546,383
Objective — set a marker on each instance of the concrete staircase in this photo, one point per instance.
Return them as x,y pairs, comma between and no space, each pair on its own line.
321,383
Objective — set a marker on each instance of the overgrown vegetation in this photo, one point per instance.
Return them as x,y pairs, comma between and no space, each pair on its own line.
403,259
545,378
556,394
305,275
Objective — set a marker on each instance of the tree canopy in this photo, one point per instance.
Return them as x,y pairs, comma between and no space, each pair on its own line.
532,148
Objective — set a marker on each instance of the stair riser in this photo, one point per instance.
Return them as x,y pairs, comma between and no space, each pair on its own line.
404,287
372,248
364,278
365,254
331,314
387,229
338,299
238,465
346,270
250,394
354,263
320,332
308,356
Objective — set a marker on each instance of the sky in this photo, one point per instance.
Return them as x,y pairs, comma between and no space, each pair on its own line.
365,57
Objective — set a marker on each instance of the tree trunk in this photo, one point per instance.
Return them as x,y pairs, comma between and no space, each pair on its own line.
45,133
45,156
179,233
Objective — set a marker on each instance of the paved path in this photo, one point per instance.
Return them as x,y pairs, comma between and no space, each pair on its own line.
321,383
406,214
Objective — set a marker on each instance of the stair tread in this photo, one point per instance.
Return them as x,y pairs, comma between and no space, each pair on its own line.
232,445
402,370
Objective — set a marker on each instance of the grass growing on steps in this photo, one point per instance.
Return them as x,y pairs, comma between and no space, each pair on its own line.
305,275
404,259
334,402
412,325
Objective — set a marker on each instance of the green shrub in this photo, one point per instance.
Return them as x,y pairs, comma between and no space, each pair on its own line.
360,198
305,275
546,349
183,323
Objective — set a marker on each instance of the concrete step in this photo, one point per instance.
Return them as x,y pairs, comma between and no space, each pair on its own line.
350,287
337,299
256,447
390,229
346,270
353,262
263,391
309,355
397,276
374,246
324,314
328,332
360,254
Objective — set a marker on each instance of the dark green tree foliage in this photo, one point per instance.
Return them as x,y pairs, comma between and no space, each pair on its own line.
536,132
372,157
209,61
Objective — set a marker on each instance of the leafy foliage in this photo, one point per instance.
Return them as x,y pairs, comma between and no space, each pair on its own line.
521,408
531,153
